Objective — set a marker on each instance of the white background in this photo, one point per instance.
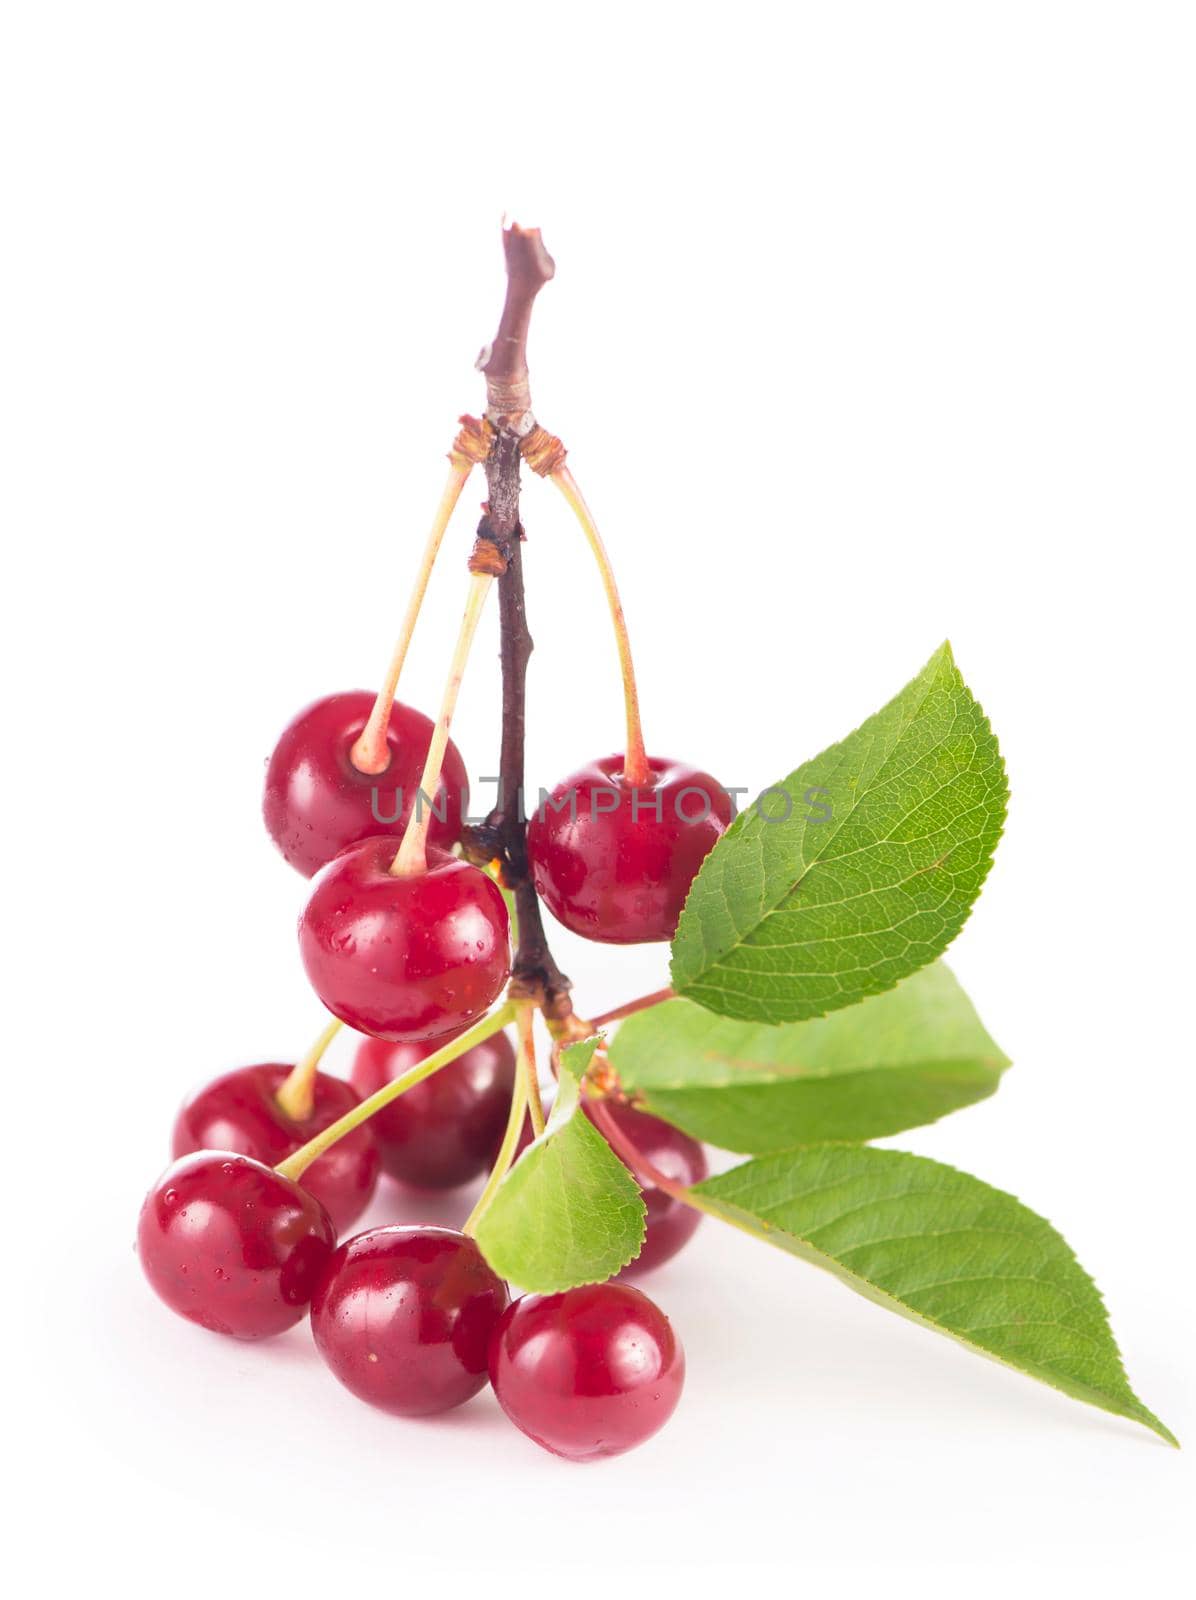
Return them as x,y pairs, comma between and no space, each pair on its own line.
871,325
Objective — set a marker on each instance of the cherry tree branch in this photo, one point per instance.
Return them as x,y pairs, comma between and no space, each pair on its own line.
504,363
503,836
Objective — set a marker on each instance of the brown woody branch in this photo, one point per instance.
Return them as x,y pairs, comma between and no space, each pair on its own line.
508,397
503,836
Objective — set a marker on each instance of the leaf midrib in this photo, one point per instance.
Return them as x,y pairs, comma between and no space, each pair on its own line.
759,1226
879,778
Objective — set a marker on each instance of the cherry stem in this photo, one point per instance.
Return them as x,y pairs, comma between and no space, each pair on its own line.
525,1025
636,770
630,1007
296,1165
371,752
506,1150
412,856
297,1095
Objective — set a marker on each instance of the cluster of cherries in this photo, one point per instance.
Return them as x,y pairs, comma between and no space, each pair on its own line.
413,1319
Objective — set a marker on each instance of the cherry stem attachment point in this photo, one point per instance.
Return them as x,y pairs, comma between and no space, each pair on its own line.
630,1007
371,751
506,1151
296,1165
635,765
296,1096
412,856
525,1027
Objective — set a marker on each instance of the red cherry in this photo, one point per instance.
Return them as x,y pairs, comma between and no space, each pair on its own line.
239,1112
405,958
671,1223
447,1129
316,800
613,861
588,1373
404,1317
233,1246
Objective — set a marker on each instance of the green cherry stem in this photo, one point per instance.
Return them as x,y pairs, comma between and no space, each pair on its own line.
412,856
371,753
525,1028
297,1094
635,765
506,1151
296,1165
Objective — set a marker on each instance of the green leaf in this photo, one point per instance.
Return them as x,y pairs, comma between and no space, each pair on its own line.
942,1249
576,1058
895,1061
792,918
569,1211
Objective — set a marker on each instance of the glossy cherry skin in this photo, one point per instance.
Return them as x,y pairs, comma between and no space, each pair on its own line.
616,862
671,1223
588,1373
404,1317
446,1130
317,802
405,958
233,1246
239,1112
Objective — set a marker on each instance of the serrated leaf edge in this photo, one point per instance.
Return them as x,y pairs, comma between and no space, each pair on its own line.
759,1228
948,654
565,1109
